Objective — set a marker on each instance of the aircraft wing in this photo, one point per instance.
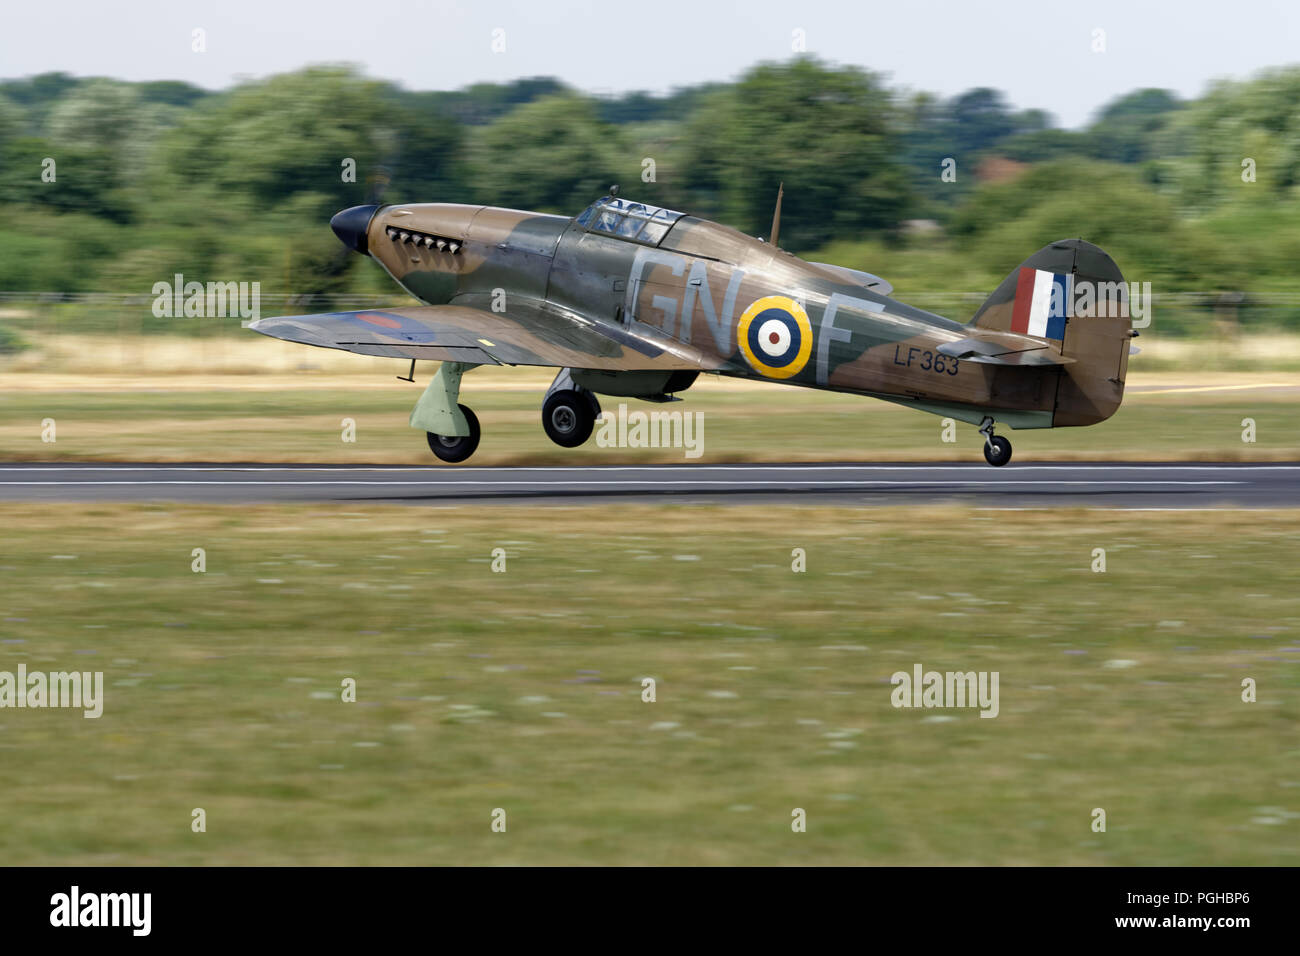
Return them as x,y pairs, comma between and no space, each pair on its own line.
526,335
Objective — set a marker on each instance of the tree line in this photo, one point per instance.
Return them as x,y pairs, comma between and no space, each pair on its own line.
109,185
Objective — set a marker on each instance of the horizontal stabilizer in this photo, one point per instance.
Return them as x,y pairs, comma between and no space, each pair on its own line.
1003,348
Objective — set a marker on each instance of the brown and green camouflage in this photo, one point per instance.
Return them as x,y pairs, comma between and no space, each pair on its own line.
642,314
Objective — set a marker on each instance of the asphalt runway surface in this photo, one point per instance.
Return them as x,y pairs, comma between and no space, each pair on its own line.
1028,485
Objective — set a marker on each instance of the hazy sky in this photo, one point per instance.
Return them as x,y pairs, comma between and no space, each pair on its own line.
1038,51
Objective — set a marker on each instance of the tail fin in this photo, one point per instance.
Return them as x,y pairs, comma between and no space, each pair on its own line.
1071,294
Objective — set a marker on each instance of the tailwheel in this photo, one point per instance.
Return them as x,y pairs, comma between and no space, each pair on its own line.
568,417
456,448
997,451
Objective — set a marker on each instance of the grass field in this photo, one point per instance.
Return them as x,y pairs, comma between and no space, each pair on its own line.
301,420
168,398
521,690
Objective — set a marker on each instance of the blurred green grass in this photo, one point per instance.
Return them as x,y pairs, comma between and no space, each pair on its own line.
521,690
768,423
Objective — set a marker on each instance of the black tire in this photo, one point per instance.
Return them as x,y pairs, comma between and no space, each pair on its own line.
997,452
568,417
453,448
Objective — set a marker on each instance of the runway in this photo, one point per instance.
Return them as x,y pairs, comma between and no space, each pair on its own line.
1101,484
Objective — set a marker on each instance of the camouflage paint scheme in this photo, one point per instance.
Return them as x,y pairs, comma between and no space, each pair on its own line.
502,286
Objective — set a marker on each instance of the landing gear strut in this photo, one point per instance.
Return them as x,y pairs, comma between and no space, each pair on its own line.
997,450
451,429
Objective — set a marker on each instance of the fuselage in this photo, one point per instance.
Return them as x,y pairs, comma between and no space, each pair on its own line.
752,309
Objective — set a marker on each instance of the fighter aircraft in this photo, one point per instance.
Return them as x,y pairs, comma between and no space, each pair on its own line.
631,300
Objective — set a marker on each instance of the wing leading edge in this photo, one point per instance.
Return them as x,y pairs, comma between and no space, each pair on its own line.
458,333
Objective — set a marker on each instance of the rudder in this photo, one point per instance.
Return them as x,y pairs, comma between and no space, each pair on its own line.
1071,294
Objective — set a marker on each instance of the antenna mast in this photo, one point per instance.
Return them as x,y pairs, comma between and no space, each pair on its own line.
776,216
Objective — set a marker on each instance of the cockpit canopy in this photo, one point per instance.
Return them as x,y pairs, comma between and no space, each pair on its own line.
629,220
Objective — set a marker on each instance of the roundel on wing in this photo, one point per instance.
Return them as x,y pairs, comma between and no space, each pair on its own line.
382,321
392,324
775,336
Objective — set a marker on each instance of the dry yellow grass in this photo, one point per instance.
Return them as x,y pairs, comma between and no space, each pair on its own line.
252,354
147,362
164,399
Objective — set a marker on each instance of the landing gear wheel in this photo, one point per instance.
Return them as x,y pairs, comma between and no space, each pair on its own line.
456,448
568,417
997,451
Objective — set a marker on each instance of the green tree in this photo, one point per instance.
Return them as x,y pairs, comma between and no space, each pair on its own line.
38,94
483,103
1127,129
1202,149
552,155
13,121
829,134
290,135
1105,203
979,118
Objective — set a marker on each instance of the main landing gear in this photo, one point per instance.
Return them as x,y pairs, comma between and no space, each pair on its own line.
451,429
569,414
997,450
569,411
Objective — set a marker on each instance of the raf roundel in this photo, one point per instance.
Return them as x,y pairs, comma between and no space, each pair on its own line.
775,336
